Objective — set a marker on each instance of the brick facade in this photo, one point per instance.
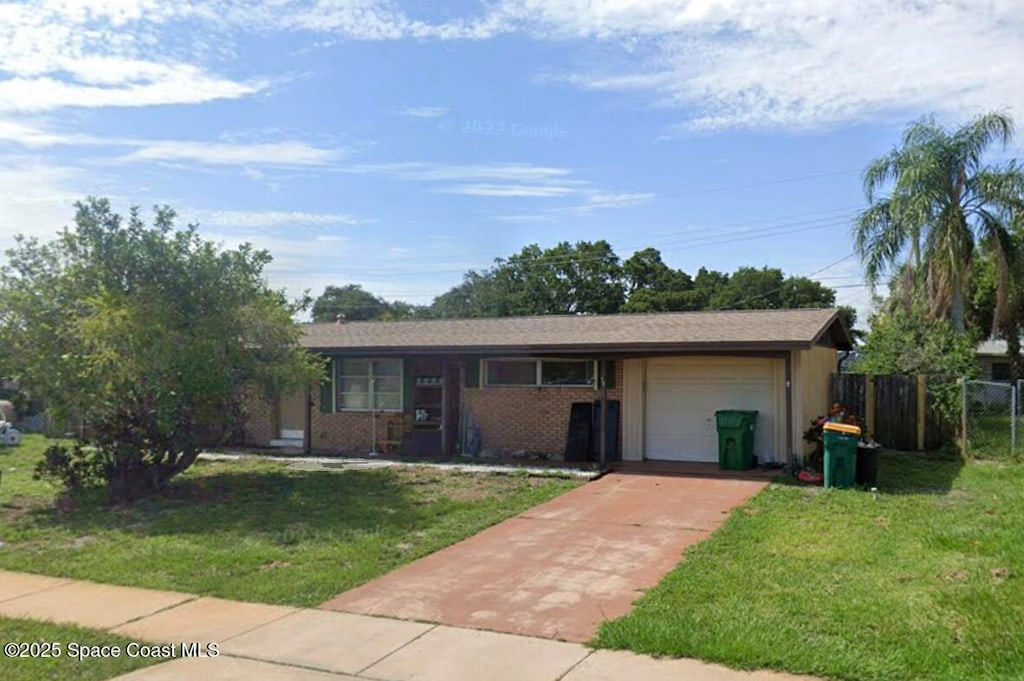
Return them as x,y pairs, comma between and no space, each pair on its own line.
509,418
532,418
346,430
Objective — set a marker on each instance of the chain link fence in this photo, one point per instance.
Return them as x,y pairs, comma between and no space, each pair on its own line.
991,419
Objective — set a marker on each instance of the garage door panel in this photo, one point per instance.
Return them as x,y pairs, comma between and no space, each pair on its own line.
683,396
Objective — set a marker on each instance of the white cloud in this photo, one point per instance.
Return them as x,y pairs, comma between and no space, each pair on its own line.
96,54
184,85
601,200
509,190
274,218
288,153
799,65
424,111
442,172
32,136
35,198
728,63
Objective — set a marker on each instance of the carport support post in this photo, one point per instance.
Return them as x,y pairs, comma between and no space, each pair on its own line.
603,456
307,425
791,454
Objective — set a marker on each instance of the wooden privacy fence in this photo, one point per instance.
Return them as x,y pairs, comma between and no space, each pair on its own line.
899,410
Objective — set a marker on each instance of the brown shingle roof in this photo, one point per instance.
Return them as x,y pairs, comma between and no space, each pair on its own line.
733,330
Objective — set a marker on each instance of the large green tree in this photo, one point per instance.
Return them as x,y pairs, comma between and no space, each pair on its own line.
653,286
580,278
149,332
588,278
933,199
357,304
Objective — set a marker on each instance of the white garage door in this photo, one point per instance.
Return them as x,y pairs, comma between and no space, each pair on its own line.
683,395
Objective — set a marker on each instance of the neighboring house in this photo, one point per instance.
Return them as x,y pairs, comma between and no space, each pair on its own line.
515,380
992,361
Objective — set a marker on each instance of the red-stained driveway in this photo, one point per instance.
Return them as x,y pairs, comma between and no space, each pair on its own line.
560,569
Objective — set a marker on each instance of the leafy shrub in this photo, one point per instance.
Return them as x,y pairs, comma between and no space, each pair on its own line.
75,467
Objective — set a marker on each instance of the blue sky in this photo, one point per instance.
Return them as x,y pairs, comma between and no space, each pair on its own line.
395,146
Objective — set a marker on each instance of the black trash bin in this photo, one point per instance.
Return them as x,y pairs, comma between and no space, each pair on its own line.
867,466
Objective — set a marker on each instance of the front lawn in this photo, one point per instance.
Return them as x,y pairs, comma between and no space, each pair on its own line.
927,582
251,530
55,639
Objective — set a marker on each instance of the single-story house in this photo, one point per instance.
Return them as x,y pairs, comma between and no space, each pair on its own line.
511,383
992,360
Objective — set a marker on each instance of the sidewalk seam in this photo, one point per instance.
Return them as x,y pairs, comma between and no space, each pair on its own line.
67,582
267,623
279,663
401,647
155,612
578,663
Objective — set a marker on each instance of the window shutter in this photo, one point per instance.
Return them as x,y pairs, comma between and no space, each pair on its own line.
609,368
472,373
327,389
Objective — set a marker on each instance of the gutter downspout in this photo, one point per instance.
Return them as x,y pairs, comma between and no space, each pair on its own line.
839,364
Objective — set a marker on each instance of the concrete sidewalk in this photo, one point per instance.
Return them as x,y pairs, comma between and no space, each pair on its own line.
275,643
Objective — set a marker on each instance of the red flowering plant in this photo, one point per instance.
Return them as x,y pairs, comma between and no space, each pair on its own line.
815,434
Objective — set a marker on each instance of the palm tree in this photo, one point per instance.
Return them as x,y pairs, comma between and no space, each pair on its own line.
944,200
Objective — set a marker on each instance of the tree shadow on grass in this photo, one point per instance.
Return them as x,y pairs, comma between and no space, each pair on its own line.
902,472
286,507
918,472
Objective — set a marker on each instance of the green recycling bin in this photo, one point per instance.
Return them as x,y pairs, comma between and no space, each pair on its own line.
840,454
735,439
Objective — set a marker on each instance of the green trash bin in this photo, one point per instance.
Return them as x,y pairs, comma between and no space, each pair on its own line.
735,439
840,454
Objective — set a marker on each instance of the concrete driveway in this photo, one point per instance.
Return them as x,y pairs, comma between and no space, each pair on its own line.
560,569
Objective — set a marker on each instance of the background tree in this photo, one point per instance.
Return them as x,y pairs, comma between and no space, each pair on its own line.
749,288
909,342
580,278
943,198
477,296
350,300
987,314
653,286
358,304
149,333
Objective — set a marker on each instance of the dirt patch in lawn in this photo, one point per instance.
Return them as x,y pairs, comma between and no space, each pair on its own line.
21,506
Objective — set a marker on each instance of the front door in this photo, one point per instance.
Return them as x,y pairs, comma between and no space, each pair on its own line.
292,415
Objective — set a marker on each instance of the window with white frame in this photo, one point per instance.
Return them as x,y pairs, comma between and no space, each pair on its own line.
363,384
580,373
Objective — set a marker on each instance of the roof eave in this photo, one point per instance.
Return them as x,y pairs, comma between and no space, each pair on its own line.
573,349
841,337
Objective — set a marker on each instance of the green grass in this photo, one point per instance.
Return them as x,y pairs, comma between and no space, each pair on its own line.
927,582
63,668
989,437
253,531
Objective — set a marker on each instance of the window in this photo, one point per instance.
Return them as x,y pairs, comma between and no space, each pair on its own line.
1000,371
363,383
541,372
567,372
512,372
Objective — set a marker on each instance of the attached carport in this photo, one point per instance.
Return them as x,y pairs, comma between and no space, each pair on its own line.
776,362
